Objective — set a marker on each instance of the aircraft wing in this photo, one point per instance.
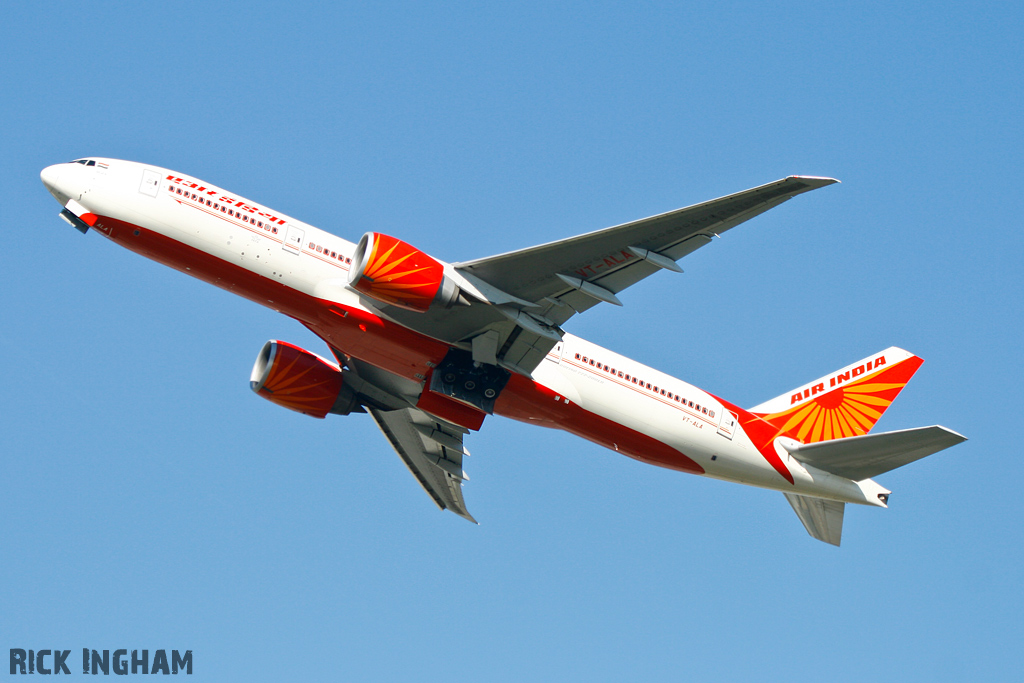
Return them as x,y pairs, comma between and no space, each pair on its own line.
432,450
617,257
519,299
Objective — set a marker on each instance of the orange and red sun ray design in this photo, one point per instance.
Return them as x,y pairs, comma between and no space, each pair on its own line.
400,274
848,410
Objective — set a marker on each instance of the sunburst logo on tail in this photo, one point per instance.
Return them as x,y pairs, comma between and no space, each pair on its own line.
847,403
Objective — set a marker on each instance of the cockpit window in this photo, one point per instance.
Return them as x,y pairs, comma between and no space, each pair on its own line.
84,162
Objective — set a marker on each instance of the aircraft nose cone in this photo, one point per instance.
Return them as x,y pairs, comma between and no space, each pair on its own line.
50,176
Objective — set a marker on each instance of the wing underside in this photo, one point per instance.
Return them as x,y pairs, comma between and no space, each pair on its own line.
432,450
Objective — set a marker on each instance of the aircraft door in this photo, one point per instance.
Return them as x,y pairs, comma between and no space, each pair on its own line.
150,182
293,239
728,423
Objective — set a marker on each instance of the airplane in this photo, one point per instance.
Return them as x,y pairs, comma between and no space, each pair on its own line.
430,348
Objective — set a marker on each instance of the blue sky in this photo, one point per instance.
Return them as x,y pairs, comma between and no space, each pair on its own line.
150,500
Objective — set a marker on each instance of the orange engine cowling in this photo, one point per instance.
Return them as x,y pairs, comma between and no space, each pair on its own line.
301,381
389,270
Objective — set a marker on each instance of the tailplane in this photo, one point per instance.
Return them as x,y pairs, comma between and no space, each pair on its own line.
862,457
842,404
859,458
822,518
824,424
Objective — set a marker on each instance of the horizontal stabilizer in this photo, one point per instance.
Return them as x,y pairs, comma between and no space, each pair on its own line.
863,457
822,518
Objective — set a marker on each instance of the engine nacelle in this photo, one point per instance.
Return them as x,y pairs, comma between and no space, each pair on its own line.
389,270
301,381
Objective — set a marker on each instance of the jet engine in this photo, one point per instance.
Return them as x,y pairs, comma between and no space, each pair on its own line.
301,381
391,271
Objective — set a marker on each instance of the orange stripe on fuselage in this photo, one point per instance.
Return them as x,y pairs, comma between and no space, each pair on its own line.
526,401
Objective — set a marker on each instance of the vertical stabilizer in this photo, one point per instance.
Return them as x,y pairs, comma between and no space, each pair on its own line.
842,404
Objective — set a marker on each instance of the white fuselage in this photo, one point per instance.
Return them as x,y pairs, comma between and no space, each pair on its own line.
302,271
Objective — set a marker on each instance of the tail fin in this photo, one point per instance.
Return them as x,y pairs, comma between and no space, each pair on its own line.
844,403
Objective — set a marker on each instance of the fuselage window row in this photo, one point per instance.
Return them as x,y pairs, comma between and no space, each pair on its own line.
646,385
320,249
223,208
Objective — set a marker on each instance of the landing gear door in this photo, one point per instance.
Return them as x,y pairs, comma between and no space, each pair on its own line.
728,424
293,239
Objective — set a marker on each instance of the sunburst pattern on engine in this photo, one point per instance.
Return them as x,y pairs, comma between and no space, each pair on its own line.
390,270
296,379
